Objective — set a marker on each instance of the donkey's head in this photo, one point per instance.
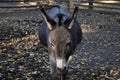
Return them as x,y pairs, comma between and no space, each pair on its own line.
59,39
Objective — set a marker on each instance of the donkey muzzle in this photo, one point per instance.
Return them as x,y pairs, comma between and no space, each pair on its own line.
61,65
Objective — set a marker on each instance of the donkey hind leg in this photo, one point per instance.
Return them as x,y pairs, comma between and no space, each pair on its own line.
53,70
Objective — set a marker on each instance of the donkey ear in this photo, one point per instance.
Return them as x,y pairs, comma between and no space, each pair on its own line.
50,22
70,20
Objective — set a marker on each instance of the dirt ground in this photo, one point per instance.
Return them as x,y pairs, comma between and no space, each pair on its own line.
97,57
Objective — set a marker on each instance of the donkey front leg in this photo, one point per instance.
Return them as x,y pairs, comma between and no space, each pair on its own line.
53,70
63,75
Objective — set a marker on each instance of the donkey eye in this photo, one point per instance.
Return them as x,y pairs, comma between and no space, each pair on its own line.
68,46
52,45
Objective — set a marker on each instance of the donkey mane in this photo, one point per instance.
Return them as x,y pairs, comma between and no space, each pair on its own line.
60,16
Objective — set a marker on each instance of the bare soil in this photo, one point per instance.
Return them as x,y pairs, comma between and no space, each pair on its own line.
97,57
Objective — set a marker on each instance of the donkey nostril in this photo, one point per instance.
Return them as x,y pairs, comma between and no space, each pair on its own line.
62,69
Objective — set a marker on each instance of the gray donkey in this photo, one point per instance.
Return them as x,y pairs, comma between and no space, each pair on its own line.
60,33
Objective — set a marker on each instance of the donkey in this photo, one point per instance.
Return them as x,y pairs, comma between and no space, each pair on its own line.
60,33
